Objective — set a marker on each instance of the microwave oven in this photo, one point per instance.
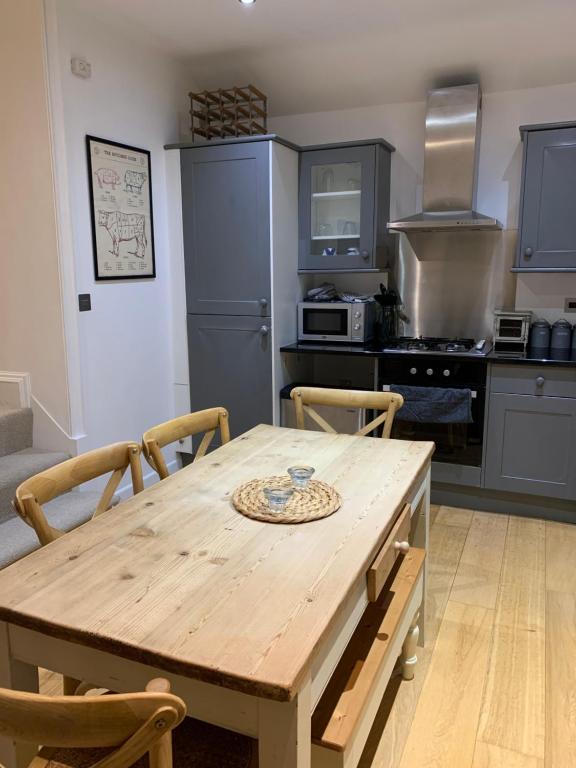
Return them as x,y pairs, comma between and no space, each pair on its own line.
336,321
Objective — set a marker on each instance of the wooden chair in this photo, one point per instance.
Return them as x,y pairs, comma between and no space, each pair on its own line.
386,402
207,421
53,482
112,731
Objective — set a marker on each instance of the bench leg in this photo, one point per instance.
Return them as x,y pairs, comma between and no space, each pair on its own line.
409,659
420,538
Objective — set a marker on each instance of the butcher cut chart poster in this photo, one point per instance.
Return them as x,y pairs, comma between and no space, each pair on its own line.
121,202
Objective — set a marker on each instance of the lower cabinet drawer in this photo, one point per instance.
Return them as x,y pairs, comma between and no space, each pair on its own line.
538,380
344,715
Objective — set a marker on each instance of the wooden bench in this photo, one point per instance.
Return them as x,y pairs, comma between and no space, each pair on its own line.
388,629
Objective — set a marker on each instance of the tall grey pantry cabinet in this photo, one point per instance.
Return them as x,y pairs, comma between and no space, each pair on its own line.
241,273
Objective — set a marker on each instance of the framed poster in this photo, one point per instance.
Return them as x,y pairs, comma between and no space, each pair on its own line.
121,208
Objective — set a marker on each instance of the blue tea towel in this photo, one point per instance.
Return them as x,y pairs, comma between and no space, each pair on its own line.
433,405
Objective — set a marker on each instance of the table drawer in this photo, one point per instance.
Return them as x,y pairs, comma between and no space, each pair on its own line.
395,545
533,380
342,720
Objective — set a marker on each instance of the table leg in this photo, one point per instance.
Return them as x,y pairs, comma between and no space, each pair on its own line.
421,538
409,659
284,732
19,677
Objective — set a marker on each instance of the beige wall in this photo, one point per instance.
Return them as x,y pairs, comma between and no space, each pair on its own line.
31,324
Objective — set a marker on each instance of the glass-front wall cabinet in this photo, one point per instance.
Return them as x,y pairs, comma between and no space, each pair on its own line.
339,191
336,196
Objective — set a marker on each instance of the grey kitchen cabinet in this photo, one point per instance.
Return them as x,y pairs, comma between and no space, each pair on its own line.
531,444
547,222
240,245
344,206
231,365
226,221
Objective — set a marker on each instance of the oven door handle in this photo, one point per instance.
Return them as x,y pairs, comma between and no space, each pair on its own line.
473,392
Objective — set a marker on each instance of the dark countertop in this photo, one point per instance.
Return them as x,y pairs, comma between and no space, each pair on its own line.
310,347
536,357
532,357
371,349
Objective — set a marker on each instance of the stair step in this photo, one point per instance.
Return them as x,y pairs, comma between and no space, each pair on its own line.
19,466
15,429
66,512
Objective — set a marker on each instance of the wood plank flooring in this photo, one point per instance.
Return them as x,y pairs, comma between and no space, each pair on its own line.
496,683
496,686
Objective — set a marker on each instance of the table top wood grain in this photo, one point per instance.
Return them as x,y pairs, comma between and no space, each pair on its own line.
177,578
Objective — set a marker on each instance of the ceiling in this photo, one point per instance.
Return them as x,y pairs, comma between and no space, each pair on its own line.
313,55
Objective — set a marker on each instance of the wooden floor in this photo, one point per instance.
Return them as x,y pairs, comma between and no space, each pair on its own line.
496,684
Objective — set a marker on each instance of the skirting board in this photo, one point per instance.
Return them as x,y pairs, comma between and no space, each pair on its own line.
506,503
15,389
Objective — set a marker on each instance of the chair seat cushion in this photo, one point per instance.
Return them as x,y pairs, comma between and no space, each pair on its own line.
195,745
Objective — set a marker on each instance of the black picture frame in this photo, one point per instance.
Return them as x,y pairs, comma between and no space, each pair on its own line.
121,266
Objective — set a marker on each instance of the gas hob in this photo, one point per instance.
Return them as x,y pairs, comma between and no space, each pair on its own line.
432,345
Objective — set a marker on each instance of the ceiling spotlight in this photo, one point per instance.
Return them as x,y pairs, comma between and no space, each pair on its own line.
247,2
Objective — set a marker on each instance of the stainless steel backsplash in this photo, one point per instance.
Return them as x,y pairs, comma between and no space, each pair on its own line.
450,283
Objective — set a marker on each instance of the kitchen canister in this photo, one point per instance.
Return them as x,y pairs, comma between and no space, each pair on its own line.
561,335
540,334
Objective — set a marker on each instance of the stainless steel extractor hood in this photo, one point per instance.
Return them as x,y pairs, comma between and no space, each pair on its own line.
453,118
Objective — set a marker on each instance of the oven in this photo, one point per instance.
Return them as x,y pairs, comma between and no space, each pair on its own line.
458,445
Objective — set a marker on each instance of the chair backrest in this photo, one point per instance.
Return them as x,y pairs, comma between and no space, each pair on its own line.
53,482
134,722
207,421
386,402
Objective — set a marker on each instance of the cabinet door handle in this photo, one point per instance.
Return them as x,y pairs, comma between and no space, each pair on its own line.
402,546
528,253
264,330
540,381
263,303
365,255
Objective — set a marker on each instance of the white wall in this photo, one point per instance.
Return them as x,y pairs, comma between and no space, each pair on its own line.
500,160
31,319
135,96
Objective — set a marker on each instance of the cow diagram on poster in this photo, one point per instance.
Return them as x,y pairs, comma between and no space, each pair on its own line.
121,207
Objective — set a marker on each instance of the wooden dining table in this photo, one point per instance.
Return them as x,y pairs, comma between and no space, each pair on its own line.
247,619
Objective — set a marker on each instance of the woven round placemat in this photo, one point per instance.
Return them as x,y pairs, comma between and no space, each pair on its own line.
315,501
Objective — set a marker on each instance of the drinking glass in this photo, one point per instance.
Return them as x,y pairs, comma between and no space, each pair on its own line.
278,497
300,476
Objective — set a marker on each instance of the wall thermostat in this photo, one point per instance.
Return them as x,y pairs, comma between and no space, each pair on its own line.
80,67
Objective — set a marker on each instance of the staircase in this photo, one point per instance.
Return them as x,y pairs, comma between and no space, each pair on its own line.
19,461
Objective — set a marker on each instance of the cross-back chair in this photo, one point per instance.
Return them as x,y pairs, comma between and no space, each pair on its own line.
112,731
207,421
388,403
53,482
